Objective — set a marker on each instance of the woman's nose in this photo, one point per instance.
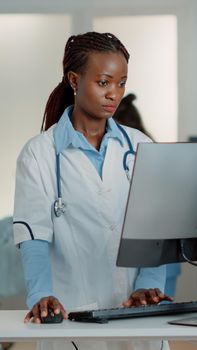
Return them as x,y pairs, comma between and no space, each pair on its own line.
111,94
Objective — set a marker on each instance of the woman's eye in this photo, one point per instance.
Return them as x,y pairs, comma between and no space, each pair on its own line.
122,83
103,82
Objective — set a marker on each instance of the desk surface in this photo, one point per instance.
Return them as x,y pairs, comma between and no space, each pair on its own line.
12,328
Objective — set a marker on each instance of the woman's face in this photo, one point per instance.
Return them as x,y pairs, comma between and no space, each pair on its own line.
101,86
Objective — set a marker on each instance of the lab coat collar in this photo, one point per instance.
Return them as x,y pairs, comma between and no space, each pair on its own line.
65,135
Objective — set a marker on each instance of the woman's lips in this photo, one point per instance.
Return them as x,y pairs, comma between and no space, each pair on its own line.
109,108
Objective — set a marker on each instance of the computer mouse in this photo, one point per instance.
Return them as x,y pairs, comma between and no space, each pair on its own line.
52,317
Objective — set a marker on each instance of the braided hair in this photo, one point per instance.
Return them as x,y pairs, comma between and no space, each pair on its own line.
76,53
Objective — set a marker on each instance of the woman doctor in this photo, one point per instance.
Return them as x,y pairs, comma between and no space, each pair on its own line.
69,245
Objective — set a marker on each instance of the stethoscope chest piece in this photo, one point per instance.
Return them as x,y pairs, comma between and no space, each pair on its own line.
59,207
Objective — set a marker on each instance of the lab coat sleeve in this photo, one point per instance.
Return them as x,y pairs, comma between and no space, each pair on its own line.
37,270
151,277
32,207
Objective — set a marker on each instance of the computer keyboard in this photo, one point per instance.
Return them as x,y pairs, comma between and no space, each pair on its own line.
103,315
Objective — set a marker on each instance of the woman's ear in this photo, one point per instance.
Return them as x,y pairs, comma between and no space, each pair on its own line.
73,79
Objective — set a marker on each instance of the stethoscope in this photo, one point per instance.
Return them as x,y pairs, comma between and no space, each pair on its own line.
59,205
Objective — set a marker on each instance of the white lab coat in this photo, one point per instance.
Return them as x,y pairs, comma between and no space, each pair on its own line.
85,238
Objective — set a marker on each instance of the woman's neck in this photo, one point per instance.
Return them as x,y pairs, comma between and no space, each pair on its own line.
92,129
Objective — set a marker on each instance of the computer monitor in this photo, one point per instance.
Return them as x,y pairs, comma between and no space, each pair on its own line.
160,223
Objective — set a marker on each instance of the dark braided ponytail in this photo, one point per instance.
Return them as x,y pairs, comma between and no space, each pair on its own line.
77,50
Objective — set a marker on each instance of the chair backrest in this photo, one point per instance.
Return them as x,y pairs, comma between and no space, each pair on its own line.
11,272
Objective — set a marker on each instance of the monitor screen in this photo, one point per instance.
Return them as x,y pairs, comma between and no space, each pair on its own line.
160,223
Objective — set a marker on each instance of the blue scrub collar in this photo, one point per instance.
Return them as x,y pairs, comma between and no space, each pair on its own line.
65,134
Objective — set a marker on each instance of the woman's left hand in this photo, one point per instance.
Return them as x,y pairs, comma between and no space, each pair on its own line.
146,296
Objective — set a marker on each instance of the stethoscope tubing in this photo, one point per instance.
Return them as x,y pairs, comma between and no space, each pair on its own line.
59,206
58,174
130,150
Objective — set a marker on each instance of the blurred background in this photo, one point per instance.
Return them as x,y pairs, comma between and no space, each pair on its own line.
161,38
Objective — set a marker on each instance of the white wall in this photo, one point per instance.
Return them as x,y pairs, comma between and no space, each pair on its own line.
152,44
30,67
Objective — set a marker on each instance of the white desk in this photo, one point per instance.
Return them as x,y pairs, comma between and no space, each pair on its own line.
13,329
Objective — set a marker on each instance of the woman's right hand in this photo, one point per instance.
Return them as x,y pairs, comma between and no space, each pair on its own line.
40,309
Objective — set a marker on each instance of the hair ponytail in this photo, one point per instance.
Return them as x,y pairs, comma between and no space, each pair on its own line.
60,98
